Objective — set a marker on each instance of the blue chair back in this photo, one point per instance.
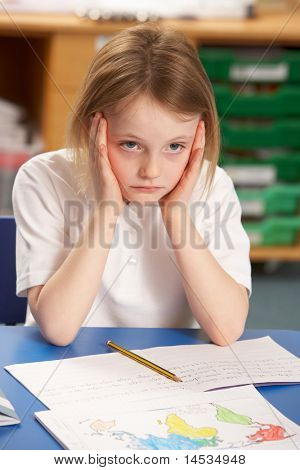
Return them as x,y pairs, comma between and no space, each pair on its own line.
12,308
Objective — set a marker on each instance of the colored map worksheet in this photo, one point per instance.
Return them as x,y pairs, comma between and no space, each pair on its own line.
237,418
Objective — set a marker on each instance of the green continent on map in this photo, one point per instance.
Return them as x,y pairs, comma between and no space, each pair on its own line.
228,416
177,425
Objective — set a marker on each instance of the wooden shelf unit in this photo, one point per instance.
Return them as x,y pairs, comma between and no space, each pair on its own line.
46,57
278,253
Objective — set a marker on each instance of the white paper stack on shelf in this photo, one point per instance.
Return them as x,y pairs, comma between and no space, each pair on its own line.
13,133
139,9
143,10
10,112
35,6
17,144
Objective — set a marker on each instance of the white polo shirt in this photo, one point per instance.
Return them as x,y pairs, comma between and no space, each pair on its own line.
141,285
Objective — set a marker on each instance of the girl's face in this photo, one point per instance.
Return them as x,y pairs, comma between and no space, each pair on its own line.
148,145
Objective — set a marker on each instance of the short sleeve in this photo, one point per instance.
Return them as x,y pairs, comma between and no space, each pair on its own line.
40,229
218,220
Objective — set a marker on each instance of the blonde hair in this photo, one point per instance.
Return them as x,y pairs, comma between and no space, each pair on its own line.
146,58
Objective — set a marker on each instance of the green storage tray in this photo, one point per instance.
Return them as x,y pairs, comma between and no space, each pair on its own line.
277,199
273,231
250,135
281,102
245,64
251,171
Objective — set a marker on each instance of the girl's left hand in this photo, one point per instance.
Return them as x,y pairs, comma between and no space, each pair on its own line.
181,194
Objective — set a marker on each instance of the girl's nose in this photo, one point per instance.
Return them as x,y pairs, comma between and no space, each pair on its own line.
150,168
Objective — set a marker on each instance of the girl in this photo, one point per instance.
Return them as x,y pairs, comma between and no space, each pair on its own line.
134,224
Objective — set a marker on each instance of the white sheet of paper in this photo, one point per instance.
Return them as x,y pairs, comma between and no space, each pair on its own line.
109,378
233,418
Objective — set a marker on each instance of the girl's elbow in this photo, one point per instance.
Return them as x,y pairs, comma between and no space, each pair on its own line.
228,337
63,342
55,332
57,336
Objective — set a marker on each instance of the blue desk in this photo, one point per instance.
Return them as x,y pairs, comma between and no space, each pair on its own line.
25,344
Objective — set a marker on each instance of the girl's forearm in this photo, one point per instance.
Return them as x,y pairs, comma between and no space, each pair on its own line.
66,299
216,300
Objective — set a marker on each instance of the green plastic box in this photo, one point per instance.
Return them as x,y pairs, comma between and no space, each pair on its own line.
238,134
251,65
251,171
282,102
277,199
273,231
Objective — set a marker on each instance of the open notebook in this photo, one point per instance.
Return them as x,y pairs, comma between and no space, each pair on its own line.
92,380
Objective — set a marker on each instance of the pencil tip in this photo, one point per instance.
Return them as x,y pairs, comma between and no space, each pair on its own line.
177,379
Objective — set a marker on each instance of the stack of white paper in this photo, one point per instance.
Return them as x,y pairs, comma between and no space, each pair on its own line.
153,9
39,6
12,133
15,133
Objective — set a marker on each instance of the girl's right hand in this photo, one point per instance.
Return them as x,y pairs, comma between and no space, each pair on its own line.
109,190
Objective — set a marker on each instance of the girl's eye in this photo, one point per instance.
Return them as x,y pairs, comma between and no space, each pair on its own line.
130,144
181,146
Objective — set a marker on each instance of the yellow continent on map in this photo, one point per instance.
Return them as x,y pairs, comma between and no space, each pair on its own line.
177,425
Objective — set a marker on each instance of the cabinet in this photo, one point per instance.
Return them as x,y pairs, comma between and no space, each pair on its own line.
45,56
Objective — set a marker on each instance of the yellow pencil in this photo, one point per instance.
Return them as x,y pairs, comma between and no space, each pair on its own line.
143,361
